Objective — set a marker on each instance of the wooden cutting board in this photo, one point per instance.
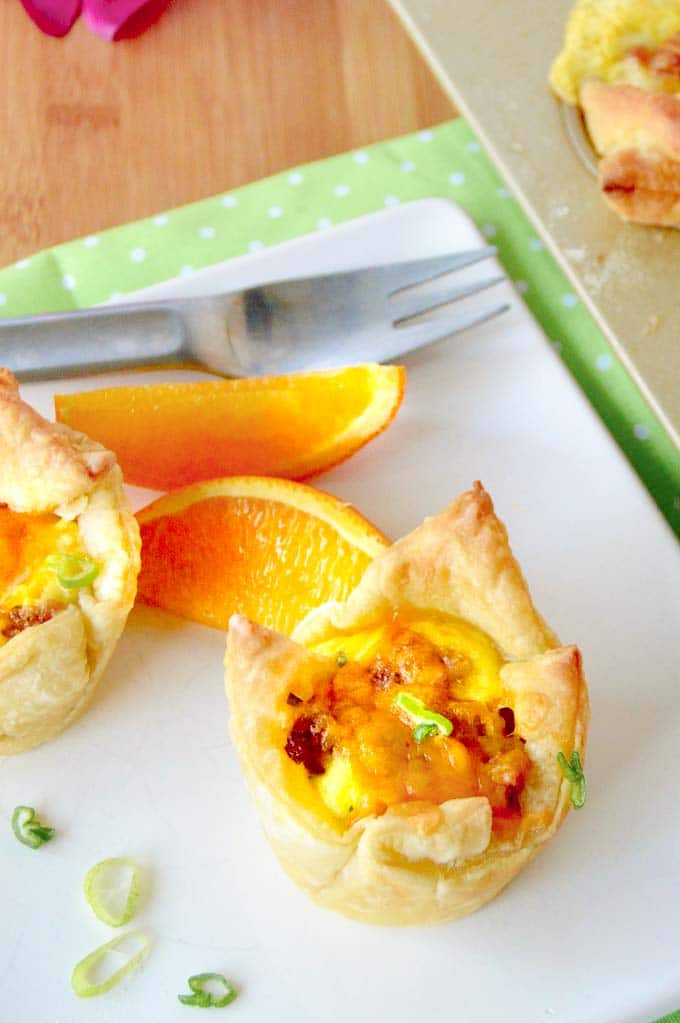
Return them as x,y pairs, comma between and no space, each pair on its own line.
215,95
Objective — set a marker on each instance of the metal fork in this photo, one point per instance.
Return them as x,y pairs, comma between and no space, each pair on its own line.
368,315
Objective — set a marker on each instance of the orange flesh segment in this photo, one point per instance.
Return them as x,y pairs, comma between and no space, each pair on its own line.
170,435
271,560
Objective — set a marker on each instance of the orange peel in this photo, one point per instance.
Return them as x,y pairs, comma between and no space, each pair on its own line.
174,434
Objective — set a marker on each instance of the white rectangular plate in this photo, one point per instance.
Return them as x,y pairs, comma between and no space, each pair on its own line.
587,934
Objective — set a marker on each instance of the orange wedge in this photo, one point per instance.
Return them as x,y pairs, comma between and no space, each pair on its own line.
170,435
268,548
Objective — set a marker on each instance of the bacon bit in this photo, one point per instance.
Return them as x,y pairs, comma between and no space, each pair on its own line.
416,660
615,187
383,676
21,618
508,715
666,60
509,766
641,54
351,687
292,700
663,61
305,744
502,780
512,793
463,730
458,664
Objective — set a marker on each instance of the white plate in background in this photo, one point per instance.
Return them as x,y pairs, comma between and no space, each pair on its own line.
587,933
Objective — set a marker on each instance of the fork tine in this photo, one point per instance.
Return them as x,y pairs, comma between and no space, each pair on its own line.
405,275
408,306
408,339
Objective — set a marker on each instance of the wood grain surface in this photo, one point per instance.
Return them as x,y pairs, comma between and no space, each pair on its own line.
216,94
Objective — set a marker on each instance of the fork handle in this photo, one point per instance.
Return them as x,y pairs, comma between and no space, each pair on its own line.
91,340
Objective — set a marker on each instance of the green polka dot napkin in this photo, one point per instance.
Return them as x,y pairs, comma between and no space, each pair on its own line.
446,161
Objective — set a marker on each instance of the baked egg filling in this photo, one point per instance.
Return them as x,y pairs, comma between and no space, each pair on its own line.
414,712
632,42
37,553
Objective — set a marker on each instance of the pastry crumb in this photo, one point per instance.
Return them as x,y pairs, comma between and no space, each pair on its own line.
576,255
652,325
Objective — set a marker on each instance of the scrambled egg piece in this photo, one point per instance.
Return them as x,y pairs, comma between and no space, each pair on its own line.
620,41
339,787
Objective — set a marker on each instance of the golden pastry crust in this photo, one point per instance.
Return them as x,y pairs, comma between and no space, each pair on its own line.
48,671
637,134
459,563
418,862
43,465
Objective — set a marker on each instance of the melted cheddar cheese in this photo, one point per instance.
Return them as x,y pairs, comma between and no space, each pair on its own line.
26,581
359,748
632,42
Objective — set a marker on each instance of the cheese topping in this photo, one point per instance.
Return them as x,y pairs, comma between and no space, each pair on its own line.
357,740
26,579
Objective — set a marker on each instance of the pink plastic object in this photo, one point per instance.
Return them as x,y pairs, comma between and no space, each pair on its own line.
54,17
122,19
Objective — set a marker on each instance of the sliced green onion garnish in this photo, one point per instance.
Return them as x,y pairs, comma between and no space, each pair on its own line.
422,732
573,772
72,571
422,715
341,659
111,889
28,829
210,990
102,969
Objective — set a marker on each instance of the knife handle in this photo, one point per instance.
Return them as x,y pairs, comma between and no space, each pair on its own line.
92,340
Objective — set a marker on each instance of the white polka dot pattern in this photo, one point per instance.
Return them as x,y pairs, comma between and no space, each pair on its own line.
445,162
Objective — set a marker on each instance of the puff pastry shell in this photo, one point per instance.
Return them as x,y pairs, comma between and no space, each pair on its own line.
637,135
417,862
621,64
48,672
